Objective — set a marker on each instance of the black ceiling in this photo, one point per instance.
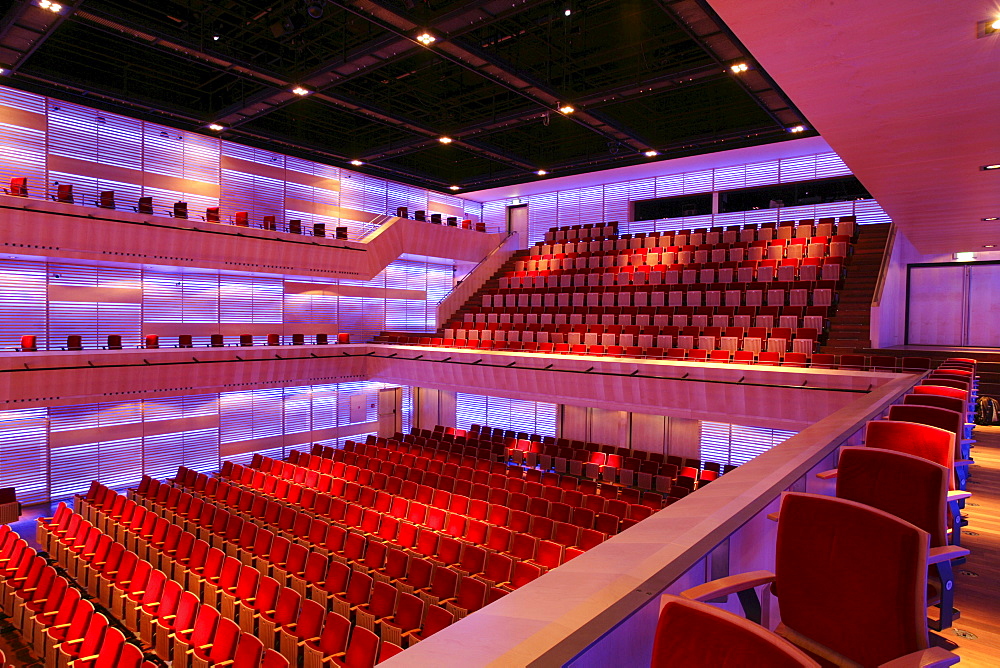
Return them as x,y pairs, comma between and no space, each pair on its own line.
642,75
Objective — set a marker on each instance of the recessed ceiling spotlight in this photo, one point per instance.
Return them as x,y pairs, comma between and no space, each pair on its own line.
651,153
541,172
987,168
426,38
739,68
300,91
989,246
566,108
445,140
454,188
356,162
991,218
795,129
216,127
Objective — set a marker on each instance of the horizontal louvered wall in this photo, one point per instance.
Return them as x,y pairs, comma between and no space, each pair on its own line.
52,453
54,143
54,300
613,201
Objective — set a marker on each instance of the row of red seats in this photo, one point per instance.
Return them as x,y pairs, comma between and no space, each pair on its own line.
192,613
465,577
731,233
647,276
445,536
584,231
774,339
890,505
561,460
643,316
451,514
685,256
519,489
516,488
775,293
50,612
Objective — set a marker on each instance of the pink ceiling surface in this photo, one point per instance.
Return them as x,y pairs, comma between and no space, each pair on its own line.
906,93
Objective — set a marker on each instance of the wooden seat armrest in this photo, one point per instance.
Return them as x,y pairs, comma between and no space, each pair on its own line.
728,585
92,657
958,495
447,600
306,640
946,553
774,516
935,657
827,475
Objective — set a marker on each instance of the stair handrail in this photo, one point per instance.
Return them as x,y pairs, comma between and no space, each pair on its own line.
884,267
476,277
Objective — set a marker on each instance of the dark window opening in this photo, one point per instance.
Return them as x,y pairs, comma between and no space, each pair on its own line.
672,207
793,194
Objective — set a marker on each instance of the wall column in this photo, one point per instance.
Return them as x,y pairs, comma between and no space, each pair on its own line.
433,407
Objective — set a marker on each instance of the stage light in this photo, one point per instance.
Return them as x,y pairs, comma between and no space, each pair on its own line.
651,153
541,172
566,109
567,12
426,38
453,188
356,163
216,127
53,7
739,68
445,140
301,91
795,129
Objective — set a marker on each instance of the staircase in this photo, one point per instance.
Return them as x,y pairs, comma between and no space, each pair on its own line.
492,283
850,326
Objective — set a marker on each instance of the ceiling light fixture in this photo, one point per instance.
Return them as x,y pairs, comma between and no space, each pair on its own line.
426,38
739,68
989,168
567,12
356,162
991,218
53,7
991,26
989,245
651,153
795,129
445,140
216,127
541,172
566,109
453,187
300,91
965,257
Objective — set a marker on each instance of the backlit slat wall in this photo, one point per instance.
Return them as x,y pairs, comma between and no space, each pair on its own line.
54,300
53,142
613,201
532,417
52,453
735,444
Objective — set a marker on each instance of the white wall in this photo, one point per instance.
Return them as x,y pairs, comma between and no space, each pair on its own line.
888,326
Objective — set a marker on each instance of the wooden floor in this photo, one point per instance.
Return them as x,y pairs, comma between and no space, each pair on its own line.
975,636
977,591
